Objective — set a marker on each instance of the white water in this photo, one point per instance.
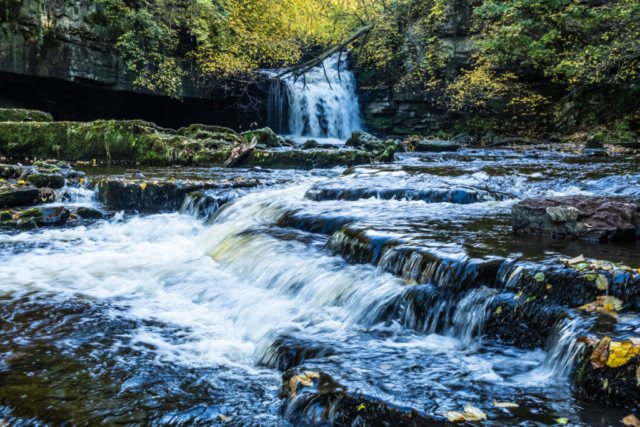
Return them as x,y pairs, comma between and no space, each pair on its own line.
313,107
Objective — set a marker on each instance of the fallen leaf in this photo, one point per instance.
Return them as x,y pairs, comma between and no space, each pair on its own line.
602,282
454,416
498,310
475,412
576,260
224,418
621,353
607,300
562,420
505,404
631,420
600,354
361,407
143,185
539,277
590,276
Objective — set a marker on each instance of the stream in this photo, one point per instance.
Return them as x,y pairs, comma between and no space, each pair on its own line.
191,317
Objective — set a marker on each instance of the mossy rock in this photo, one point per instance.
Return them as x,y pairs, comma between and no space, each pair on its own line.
32,213
360,139
49,180
595,140
17,115
206,132
310,144
297,159
436,146
10,171
264,136
20,224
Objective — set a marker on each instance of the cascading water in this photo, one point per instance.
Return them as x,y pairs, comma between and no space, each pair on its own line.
322,104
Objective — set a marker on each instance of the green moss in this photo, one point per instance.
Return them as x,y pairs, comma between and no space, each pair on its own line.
32,213
17,115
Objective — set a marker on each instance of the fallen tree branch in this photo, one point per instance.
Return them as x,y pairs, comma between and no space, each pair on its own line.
239,153
299,70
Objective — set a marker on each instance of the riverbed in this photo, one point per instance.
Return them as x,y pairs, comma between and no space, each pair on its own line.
191,317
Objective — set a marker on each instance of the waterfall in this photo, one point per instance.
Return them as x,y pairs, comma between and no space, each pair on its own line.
314,107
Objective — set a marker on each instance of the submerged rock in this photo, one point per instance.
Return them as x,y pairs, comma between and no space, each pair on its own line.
18,115
10,171
88,213
578,217
44,216
159,195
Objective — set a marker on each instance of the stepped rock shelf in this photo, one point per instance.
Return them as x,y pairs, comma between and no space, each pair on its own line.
141,142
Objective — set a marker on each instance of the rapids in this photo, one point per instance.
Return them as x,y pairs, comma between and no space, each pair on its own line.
190,317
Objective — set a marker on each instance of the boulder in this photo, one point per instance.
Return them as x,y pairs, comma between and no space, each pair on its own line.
577,217
264,136
359,139
310,144
18,195
19,224
50,180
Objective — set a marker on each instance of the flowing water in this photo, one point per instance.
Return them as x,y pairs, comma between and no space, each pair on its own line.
322,105
191,317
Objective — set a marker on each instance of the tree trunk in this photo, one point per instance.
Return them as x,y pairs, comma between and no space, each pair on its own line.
299,70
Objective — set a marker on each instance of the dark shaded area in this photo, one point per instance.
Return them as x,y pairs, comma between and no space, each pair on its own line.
228,105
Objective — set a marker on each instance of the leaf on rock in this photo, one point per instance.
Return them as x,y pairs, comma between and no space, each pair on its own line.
562,420
505,404
470,413
590,276
631,420
609,302
143,185
539,277
304,379
602,282
600,354
621,353
576,260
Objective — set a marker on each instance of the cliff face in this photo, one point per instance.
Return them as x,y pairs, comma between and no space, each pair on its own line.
59,56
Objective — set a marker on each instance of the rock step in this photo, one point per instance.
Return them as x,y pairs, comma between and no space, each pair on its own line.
153,196
321,192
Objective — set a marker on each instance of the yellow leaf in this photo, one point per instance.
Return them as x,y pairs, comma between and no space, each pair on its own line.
621,353
602,282
361,407
631,420
562,420
143,185
505,404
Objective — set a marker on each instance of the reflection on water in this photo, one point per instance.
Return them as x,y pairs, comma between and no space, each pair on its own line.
185,318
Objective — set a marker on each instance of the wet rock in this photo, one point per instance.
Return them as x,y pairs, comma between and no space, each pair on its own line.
595,140
578,217
18,115
521,320
435,146
288,352
317,397
209,135
152,196
10,171
360,139
19,224
18,195
615,386
310,144
47,216
321,192
88,213
594,153
387,156
264,136
50,180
